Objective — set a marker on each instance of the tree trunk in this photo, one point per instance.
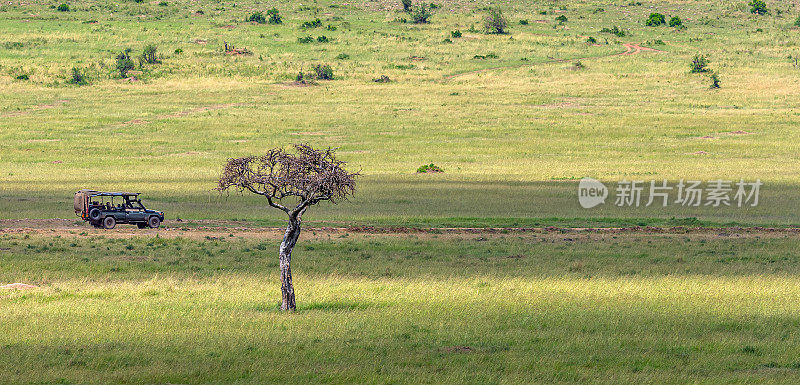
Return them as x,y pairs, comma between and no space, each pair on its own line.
285,255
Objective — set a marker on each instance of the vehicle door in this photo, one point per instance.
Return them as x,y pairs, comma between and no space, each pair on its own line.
135,211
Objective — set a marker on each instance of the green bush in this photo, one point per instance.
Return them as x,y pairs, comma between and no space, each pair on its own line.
675,21
699,64
322,39
429,168
714,80
455,34
342,56
523,22
495,22
617,31
78,77
311,24
323,72
421,14
797,22
274,16
124,63
305,39
591,40
561,19
257,17
149,55
382,79
22,77
655,20
406,5
758,7
163,4
63,7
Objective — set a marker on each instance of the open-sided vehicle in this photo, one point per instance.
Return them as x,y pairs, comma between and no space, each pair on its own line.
100,210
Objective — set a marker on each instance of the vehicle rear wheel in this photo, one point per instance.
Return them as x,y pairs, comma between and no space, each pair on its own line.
109,223
94,214
154,222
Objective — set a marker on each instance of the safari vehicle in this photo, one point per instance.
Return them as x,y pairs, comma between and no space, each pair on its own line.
100,210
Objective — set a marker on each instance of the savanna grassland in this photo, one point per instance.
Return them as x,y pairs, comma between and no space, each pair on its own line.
427,308
511,118
391,287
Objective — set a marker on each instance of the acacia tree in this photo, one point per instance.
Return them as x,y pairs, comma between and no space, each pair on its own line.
291,182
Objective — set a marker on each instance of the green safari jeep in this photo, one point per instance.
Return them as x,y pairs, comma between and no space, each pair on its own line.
99,209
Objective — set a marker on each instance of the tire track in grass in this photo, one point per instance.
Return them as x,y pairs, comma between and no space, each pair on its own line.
630,49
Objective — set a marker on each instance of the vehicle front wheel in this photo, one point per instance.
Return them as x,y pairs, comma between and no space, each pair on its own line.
109,223
154,222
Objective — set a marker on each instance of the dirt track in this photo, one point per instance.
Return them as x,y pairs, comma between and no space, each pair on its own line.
215,229
630,49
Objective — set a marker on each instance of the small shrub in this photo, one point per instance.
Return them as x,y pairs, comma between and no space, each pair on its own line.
382,79
331,28
124,63
616,31
758,7
305,39
257,17
434,6
63,7
342,56
421,14
699,64
78,77
495,22
591,40
323,72
598,10
455,34
163,4
406,5
797,22
274,16
714,80
199,12
487,56
523,22
322,39
149,55
178,51
578,65
311,24
675,21
429,168
22,77
655,20
561,19
447,41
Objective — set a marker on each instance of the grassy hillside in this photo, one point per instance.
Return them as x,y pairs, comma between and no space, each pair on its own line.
513,137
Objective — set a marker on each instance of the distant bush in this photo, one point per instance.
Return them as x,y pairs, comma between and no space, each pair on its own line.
797,22
487,56
655,20
578,65
406,5
699,64
561,19
617,31
63,7
257,17
382,79
714,80
305,39
78,77
598,10
323,72
331,28
495,22
342,56
322,39
163,4
675,21
758,7
22,77
429,168
591,40
455,34
124,63
149,55
523,22
421,14
434,6
311,24
274,17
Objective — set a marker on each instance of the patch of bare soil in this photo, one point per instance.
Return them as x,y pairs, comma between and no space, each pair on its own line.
18,286
740,132
200,41
33,109
708,137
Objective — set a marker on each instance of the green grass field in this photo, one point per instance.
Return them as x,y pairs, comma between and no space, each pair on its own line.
515,120
513,140
528,308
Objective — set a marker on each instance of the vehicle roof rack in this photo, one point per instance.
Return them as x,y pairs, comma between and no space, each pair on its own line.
93,193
